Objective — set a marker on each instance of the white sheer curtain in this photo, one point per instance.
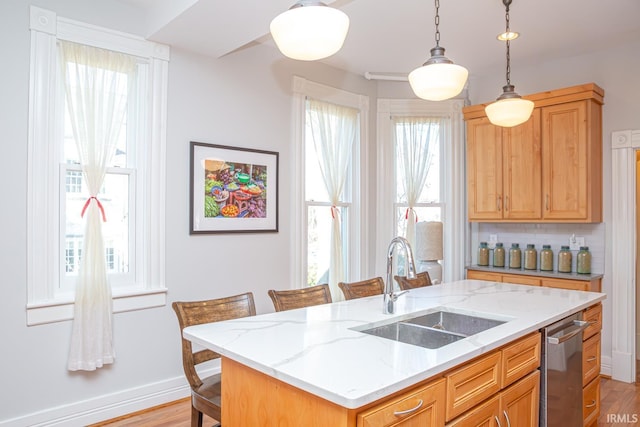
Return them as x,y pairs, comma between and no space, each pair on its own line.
413,139
334,129
95,82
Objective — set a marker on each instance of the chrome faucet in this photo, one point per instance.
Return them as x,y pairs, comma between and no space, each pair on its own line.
390,296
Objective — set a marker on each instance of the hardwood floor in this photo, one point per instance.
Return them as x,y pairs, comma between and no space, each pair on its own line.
619,407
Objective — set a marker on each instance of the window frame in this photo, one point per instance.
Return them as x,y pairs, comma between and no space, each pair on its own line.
452,175
44,303
357,249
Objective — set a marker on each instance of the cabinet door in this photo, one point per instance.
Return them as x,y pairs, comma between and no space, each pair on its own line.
522,176
484,170
520,402
423,407
484,415
566,159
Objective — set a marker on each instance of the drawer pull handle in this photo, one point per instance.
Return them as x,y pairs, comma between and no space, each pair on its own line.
591,405
547,202
408,411
497,420
592,359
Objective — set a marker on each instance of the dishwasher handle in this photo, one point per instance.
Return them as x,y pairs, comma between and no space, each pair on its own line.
577,326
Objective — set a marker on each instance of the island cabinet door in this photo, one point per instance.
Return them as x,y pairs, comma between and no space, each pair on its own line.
519,404
484,415
421,407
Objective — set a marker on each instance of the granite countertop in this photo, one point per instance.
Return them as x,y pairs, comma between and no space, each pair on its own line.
551,274
317,350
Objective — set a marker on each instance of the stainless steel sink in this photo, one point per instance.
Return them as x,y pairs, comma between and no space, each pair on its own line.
433,330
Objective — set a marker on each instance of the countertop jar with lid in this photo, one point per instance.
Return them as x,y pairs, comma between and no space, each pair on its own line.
564,260
498,255
583,261
483,254
515,256
546,258
530,257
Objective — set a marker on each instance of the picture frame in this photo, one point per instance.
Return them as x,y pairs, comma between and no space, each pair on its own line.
233,189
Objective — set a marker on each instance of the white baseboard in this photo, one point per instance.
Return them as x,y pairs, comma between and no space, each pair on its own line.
623,366
105,407
605,366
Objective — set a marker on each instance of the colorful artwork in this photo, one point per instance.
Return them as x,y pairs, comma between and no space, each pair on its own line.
236,189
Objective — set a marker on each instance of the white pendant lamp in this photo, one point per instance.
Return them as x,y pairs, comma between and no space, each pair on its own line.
438,78
310,30
510,109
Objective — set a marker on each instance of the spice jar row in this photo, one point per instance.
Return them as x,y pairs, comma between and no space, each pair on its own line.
529,260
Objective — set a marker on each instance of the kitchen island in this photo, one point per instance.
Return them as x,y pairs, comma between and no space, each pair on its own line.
313,367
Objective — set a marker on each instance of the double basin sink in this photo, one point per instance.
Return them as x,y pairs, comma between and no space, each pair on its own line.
433,330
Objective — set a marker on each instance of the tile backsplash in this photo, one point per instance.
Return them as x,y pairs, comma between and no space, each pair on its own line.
555,235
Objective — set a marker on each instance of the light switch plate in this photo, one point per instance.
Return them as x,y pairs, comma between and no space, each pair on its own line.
575,242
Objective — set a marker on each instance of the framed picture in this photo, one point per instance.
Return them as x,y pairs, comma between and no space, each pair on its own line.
233,190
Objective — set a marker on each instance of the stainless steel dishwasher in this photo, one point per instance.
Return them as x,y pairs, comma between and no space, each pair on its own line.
561,388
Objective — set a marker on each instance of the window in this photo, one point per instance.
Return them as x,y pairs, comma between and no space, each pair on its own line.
132,187
428,206
330,152
438,188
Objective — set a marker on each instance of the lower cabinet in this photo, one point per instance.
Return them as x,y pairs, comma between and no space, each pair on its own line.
518,405
501,388
591,366
593,285
420,407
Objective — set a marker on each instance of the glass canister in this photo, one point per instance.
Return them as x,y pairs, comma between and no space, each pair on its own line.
564,260
498,255
515,256
546,258
483,254
583,261
530,257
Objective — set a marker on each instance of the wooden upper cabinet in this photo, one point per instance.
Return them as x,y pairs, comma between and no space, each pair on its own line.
572,148
548,169
484,169
503,168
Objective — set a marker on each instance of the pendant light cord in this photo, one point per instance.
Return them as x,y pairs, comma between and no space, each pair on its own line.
437,22
507,3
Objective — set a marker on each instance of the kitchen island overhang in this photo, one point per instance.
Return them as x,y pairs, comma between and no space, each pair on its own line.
317,350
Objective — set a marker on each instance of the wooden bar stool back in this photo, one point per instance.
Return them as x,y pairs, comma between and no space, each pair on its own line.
422,279
363,288
206,392
298,298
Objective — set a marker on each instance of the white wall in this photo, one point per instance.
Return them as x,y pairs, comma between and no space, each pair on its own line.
243,99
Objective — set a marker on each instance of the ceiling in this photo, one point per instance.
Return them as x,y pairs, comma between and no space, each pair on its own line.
395,36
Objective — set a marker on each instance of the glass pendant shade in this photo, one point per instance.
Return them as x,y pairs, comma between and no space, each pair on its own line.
310,30
509,109
439,78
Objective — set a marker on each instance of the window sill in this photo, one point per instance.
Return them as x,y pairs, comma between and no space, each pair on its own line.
123,300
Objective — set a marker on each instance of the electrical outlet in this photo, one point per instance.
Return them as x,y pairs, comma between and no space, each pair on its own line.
575,242
493,238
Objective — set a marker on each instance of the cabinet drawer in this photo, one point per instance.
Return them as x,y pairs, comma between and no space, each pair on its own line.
591,402
593,315
590,359
520,358
574,285
481,275
473,383
521,280
423,406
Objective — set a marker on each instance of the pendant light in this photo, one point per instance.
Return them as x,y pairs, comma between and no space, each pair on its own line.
310,30
438,78
510,109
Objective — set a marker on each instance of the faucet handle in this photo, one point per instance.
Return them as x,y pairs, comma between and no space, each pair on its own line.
395,296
